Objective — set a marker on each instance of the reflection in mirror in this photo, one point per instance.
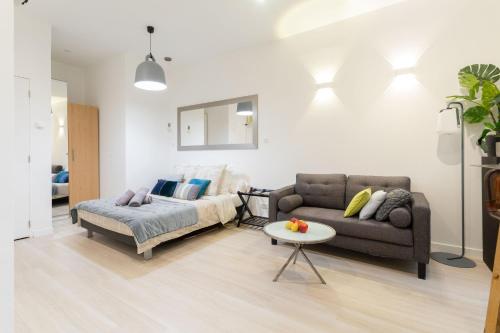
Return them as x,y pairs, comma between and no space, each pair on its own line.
228,124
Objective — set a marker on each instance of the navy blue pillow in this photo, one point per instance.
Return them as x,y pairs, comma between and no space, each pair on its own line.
156,190
202,183
62,177
168,188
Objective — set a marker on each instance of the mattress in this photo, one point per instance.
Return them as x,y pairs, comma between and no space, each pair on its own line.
61,189
210,212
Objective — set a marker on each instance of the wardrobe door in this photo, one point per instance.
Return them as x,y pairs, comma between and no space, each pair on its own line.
83,149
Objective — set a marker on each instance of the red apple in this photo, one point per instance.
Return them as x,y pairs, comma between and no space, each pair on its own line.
303,227
294,219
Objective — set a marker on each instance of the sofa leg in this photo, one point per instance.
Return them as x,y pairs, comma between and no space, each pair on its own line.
422,268
274,241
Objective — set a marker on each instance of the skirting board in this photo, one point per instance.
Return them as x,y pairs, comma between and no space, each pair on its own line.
42,231
469,252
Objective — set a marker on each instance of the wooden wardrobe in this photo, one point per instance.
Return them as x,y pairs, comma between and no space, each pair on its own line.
83,151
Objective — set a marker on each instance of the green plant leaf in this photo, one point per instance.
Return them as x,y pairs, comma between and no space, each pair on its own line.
485,133
490,126
481,72
490,92
475,114
468,80
467,98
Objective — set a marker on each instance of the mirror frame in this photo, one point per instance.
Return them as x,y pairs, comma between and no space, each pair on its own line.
254,145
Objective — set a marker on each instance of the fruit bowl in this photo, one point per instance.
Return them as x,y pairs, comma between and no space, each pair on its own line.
296,225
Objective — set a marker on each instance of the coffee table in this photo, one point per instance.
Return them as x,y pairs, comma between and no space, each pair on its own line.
316,233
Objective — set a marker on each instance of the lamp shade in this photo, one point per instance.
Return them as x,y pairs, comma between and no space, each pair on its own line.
448,122
244,109
150,76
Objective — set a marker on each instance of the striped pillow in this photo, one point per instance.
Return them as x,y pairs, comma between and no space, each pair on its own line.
186,191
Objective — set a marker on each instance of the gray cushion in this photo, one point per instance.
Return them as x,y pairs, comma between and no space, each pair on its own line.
325,191
396,198
365,229
290,202
376,183
400,217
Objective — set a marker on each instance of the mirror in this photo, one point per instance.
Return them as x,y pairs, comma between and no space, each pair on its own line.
228,124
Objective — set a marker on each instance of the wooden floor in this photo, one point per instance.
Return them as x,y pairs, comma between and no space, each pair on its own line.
221,281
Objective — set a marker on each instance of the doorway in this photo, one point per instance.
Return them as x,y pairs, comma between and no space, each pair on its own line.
60,167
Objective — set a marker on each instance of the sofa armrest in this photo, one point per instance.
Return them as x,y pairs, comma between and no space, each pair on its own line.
421,216
274,197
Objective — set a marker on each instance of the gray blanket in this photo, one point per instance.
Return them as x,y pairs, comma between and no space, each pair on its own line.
147,221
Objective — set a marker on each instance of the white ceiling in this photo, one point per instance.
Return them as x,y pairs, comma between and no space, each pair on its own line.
86,31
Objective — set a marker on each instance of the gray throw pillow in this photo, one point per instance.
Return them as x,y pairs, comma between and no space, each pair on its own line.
396,198
371,207
290,202
400,217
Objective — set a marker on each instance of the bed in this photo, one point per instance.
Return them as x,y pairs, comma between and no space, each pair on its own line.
59,190
210,211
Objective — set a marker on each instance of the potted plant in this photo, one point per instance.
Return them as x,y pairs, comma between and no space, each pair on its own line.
482,102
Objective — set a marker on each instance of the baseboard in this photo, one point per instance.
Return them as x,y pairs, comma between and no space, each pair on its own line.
469,252
42,231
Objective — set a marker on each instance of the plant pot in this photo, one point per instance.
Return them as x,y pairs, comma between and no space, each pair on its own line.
491,145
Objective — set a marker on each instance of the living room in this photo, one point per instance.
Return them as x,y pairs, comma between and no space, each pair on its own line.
338,90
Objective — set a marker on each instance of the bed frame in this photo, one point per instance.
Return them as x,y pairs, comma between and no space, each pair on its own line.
148,254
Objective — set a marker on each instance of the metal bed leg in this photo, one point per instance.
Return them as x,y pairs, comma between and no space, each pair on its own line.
148,254
90,233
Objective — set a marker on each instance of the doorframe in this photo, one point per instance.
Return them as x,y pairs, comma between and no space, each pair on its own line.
30,231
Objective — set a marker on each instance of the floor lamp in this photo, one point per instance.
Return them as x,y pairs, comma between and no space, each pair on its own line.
446,258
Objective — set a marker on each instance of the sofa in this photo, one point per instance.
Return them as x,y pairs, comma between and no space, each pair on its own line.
324,197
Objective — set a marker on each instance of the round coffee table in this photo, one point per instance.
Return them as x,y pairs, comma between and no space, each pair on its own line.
316,233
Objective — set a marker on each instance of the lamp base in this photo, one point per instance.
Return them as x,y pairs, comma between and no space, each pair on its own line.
453,260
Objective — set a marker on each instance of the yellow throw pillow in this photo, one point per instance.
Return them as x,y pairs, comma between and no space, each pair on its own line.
358,202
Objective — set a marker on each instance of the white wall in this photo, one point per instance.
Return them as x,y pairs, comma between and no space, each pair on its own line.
74,77
365,122
6,168
32,60
106,90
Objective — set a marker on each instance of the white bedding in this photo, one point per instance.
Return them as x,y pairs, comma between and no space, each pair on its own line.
211,209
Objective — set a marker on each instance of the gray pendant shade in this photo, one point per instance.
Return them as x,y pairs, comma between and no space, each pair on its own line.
150,76
244,108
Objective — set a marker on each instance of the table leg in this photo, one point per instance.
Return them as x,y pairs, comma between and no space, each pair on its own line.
296,254
312,266
286,264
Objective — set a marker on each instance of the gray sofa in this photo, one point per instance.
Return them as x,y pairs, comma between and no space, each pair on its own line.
323,199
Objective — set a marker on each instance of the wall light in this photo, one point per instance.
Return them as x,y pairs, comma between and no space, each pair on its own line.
405,78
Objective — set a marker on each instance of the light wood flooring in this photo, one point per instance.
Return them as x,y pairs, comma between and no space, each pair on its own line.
221,281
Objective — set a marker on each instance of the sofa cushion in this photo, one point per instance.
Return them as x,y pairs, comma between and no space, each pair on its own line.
324,191
353,227
396,198
376,183
358,202
369,210
290,202
400,217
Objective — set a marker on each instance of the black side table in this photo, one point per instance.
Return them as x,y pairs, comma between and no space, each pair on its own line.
253,220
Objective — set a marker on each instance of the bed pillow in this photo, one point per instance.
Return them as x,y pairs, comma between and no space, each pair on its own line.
62,177
369,210
202,183
212,173
157,188
186,191
168,189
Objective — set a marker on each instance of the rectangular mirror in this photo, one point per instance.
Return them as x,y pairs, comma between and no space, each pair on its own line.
227,124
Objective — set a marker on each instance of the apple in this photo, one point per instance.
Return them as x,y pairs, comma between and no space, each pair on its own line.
303,228
294,219
294,227
288,225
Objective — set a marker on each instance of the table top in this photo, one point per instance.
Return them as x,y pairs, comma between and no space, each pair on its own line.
316,233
